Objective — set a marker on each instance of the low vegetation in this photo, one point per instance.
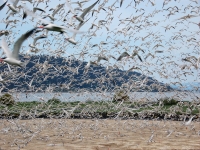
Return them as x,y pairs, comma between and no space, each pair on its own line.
168,101
7,99
95,109
121,95
53,100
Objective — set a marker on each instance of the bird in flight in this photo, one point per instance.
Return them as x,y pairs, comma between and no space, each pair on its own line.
12,58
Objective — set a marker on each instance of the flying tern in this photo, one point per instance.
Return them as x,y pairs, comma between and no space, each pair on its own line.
72,39
85,11
13,58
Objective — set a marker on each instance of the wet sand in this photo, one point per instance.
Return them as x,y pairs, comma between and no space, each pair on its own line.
72,134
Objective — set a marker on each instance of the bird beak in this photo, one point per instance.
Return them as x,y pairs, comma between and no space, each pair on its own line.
41,27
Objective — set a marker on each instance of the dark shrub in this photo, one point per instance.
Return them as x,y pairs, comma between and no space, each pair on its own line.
167,101
54,100
7,99
120,96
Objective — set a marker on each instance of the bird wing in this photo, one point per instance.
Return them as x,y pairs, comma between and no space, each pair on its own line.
139,57
32,14
36,8
9,67
55,11
24,14
15,3
2,6
77,28
124,54
121,3
39,37
102,58
5,48
70,7
86,10
19,42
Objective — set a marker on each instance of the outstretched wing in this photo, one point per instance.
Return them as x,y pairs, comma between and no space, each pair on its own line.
86,10
36,8
77,29
19,42
5,48
124,54
39,37
70,7
15,3
2,6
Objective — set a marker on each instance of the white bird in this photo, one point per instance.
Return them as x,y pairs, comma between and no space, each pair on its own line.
189,121
14,6
30,84
35,40
50,26
13,58
72,39
70,7
85,11
58,8
56,28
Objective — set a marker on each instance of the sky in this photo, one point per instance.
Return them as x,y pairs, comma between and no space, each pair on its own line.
146,32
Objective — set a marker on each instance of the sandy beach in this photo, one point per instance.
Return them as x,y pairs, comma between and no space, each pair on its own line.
71,134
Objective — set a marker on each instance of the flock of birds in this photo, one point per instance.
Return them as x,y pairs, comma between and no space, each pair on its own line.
161,41
156,38
151,43
121,47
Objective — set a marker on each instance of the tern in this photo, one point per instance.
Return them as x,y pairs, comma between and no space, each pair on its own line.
53,27
13,58
14,6
35,40
50,26
72,39
57,28
189,121
85,11
55,11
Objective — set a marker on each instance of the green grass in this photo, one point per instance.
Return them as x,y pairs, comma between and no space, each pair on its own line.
55,108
